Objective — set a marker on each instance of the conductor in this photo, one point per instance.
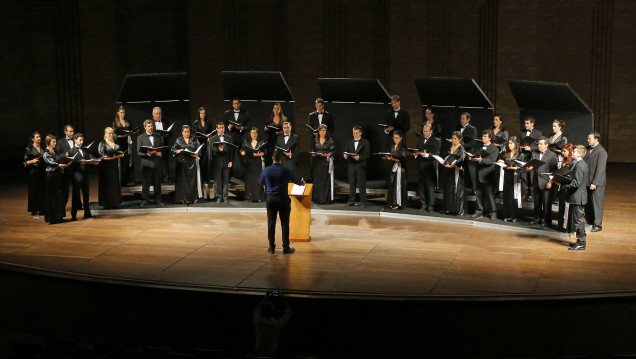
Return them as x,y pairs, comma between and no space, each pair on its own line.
275,178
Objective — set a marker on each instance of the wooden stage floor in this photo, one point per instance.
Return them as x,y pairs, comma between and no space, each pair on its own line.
372,253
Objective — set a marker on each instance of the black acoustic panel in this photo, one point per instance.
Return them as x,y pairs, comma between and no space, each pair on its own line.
547,96
255,85
577,125
353,90
448,91
155,87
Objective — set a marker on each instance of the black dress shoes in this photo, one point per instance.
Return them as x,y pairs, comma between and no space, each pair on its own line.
596,229
143,203
477,216
363,205
271,250
73,218
218,200
349,204
289,250
88,215
535,221
429,209
161,204
578,246
493,216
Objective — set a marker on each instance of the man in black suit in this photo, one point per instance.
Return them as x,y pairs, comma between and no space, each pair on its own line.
541,183
236,121
320,116
151,163
288,143
469,135
427,145
485,175
532,135
222,160
64,145
576,196
80,178
396,118
596,160
357,166
161,124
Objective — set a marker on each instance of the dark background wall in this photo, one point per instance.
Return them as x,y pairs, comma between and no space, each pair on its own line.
63,61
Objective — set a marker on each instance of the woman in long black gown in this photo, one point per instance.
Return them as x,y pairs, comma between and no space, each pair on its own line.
511,180
187,185
109,190
273,128
123,136
35,168
397,192
452,175
254,162
322,166
55,205
202,130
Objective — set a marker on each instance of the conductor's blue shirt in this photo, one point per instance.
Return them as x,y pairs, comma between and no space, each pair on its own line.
276,178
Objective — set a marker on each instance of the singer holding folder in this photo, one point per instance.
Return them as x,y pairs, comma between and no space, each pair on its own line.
253,153
149,151
109,190
275,178
187,181
356,152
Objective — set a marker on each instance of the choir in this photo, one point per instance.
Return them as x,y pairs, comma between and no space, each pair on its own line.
529,167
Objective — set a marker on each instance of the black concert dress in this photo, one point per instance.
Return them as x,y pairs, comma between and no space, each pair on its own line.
271,140
253,166
36,180
187,170
452,180
109,189
322,172
198,130
397,191
55,210
127,173
511,187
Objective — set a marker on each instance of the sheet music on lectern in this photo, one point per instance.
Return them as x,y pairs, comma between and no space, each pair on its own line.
298,190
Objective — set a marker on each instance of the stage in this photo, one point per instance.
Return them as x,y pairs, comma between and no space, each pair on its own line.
373,253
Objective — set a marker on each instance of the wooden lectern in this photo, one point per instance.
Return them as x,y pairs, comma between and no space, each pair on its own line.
300,216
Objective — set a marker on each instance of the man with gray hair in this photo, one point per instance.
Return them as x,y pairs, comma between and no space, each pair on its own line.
148,144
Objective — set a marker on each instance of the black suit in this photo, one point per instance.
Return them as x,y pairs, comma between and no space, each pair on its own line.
62,147
151,166
486,179
400,122
428,170
243,118
80,181
327,119
468,137
576,196
526,177
596,160
292,143
357,170
542,196
220,161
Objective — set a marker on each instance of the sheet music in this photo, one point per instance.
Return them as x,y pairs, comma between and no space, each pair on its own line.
298,190
438,158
